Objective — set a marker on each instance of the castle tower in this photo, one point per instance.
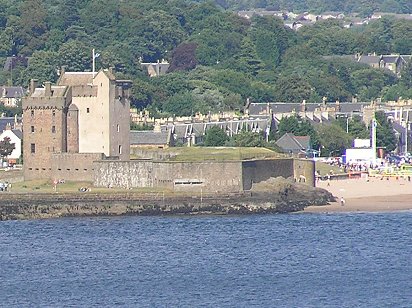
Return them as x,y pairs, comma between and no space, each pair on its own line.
73,129
44,128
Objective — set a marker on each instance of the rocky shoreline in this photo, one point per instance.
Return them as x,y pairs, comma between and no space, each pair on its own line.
280,198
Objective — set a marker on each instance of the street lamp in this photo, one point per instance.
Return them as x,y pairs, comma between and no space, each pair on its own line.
347,125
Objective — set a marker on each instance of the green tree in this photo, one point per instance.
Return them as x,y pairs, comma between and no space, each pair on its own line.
249,139
180,104
385,135
215,136
293,89
75,56
406,75
6,147
333,140
43,66
298,127
32,26
247,60
358,129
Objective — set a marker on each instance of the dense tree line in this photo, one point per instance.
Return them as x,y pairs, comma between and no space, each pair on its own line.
218,59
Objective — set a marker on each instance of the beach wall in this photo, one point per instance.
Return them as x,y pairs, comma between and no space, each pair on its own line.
256,171
207,176
197,176
304,171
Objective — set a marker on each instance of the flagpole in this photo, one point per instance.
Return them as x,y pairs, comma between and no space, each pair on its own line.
93,61
374,139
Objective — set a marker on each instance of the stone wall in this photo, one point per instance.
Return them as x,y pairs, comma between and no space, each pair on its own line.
125,174
198,176
206,176
255,171
211,176
304,171
74,166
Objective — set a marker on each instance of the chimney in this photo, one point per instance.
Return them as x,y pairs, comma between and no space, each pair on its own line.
157,128
33,85
8,126
62,70
337,108
47,88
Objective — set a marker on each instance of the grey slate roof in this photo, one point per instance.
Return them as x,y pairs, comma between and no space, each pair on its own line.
11,92
290,143
18,133
149,137
7,120
369,59
390,58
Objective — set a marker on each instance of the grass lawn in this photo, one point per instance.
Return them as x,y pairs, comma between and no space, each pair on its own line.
217,153
325,168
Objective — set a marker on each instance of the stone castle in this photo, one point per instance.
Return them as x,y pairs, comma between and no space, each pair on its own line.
84,118
79,130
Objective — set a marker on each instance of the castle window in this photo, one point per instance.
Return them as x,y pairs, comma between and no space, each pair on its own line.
32,113
53,129
118,128
33,148
88,110
54,113
32,129
120,149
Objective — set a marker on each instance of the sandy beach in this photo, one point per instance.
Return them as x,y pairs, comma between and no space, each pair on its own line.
362,195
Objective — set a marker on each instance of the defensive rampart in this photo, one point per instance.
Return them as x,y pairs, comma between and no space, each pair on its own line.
207,176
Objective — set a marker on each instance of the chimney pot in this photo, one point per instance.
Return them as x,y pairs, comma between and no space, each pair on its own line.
33,85
47,88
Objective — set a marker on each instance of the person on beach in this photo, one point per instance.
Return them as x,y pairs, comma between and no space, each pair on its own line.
328,179
342,201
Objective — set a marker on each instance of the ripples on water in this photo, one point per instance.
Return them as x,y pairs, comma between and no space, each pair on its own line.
297,260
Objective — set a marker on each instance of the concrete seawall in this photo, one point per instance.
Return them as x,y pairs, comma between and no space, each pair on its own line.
39,206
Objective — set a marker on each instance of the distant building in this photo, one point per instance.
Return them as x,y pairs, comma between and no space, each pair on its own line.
156,69
393,63
11,96
15,136
12,62
289,143
151,138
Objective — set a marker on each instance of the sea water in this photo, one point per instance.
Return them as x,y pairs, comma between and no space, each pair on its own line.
290,260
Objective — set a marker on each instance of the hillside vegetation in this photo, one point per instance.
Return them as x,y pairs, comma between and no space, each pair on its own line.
218,59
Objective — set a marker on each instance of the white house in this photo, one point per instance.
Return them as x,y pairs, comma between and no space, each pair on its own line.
15,136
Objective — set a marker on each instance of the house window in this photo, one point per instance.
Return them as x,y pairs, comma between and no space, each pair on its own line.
53,129
32,129
32,113
33,148
88,110
120,149
118,128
